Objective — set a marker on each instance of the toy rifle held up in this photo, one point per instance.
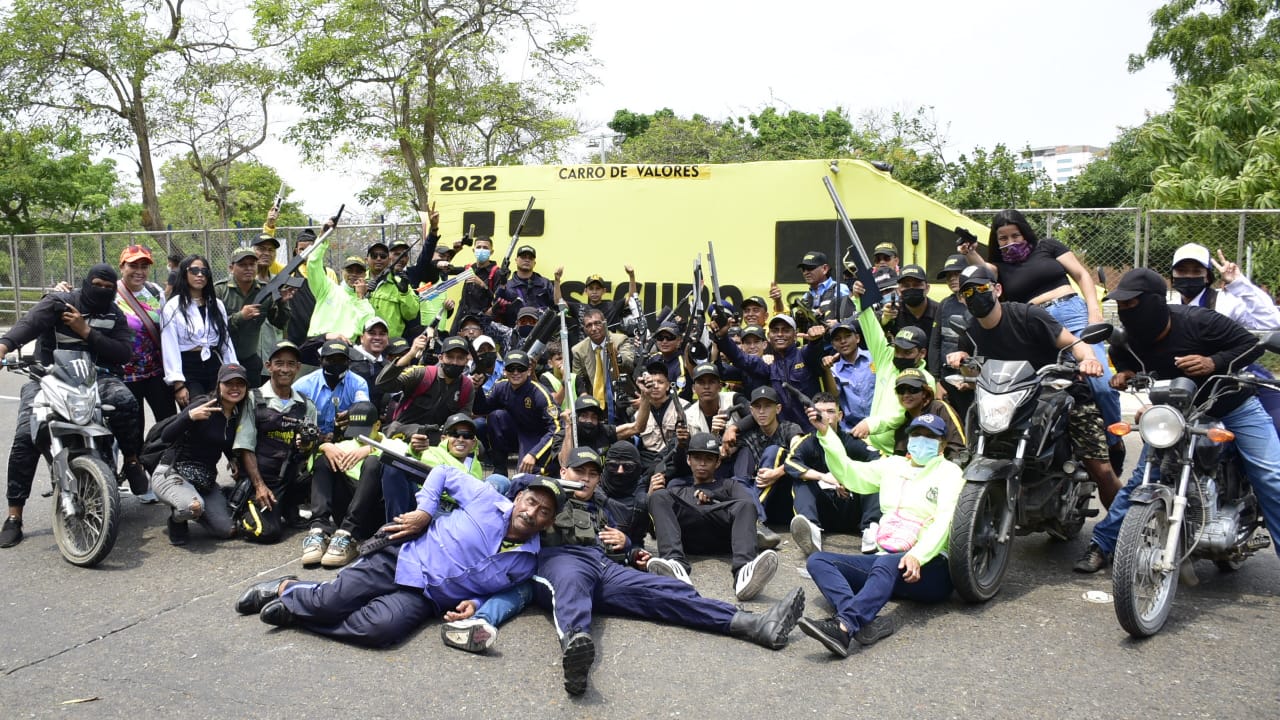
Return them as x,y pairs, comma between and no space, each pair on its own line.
441,288
272,288
862,270
515,237
567,361
279,197
391,264
719,311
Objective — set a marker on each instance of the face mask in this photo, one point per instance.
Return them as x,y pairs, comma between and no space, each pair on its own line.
1145,321
1016,254
913,296
1189,287
905,363
922,449
981,304
333,373
482,255
452,372
98,299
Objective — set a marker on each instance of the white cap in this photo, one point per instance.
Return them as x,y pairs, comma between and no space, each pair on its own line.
1192,251
482,340
375,320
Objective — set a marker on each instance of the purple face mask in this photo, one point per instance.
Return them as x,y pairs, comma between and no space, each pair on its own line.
1016,253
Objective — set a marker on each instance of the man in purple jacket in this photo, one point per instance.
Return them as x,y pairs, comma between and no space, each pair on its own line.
486,545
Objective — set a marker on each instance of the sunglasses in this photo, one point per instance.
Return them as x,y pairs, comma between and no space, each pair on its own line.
516,370
908,390
200,271
378,256
625,468
463,434
966,292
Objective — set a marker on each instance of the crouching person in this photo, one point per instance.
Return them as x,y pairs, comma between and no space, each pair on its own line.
918,495
484,546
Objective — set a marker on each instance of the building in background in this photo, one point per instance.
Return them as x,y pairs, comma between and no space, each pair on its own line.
1061,162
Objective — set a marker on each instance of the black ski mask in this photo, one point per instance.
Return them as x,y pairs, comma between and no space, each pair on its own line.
1145,321
616,484
98,299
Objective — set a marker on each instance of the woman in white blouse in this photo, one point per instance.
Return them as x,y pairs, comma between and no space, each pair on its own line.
193,336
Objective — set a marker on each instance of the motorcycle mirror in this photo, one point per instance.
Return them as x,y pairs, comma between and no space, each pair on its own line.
1094,334
1120,343
1271,341
957,323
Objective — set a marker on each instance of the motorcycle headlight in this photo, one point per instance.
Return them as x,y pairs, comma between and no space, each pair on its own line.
1161,426
995,412
80,408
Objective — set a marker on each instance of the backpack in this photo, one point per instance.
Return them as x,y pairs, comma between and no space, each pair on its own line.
428,379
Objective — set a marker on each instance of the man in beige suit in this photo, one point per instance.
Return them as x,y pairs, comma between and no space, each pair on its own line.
600,359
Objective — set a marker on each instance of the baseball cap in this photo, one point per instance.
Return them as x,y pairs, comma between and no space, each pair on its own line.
783,318
1193,251
583,456
954,263
527,250
470,318
133,253
755,300
704,443
656,364
668,327
812,260
375,320
396,346
457,419
353,260
455,343
753,330
975,275
705,369
912,377
550,486
886,279
913,271
241,253
847,324
528,312
398,244
764,392
232,371
361,418
378,244
1137,282
594,279
885,248
910,338
483,340
587,402
265,239
306,235
282,346
932,422
517,358
334,347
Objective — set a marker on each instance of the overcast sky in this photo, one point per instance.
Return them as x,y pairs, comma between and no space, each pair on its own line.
1017,72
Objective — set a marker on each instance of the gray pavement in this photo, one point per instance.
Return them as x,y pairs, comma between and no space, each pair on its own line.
152,631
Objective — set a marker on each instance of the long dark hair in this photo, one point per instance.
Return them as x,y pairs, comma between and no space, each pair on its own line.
1009,217
182,291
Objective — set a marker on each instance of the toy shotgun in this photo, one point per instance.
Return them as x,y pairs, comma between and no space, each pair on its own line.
567,360
272,288
719,311
871,294
441,288
515,238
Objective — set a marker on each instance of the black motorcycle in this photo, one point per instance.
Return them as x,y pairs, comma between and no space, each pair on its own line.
1023,476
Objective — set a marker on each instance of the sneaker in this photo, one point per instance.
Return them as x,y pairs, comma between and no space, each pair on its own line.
579,653
148,498
341,552
669,568
829,633
473,634
137,477
869,544
766,539
313,546
880,627
11,534
755,575
806,535
1092,560
178,532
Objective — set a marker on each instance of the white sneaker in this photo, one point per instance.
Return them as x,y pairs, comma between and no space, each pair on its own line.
314,544
869,544
473,634
755,575
806,535
669,568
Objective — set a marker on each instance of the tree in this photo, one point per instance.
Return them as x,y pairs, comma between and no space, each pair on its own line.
1120,179
50,183
250,190
996,178
110,61
1203,47
664,138
419,78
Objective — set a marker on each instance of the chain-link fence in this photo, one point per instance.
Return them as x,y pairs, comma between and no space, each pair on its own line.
1250,238
1107,241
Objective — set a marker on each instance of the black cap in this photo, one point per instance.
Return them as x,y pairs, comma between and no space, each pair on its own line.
975,275
755,330
597,279
550,486
812,260
755,300
912,377
583,456
361,418
668,326
375,245
587,402
764,392
656,364
232,371
847,324
1137,282
457,419
518,358
910,338
282,346
526,250
705,369
306,235
265,239
455,343
913,271
954,263
705,443
885,248
241,253
398,244
886,279
396,346
528,311
471,317
334,347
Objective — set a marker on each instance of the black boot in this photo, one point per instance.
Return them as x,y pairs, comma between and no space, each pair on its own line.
771,627
1117,453
579,653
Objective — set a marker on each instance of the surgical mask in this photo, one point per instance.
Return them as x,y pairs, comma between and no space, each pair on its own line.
905,363
1016,253
1189,287
981,304
922,449
913,296
482,254
1145,321
450,371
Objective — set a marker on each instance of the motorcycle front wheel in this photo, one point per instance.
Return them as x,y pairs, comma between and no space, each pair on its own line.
85,524
1143,594
978,560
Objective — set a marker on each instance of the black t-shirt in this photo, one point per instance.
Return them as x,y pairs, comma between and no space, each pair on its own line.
1038,275
1196,331
1025,332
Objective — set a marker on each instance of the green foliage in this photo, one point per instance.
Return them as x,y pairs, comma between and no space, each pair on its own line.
670,139
252,187
1203,47
49,183
1121,179
994,179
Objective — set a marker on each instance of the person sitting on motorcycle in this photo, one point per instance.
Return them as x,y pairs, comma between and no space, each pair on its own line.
87,320
1018,331
1172,341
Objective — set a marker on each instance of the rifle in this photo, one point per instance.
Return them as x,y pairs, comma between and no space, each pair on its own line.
719,311
697,316
391,264
273,285
567,360
800,397
279,197
871,294
536,343
515,238
438,289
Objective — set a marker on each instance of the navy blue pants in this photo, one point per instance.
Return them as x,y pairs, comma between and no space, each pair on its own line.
363,605
860,585
832,513
507,437
573,579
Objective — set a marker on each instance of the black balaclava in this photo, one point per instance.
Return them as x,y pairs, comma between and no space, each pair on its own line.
98,299
613,484
1145,321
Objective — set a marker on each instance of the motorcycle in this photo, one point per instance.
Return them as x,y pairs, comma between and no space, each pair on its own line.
1023,476
1199,504
67,427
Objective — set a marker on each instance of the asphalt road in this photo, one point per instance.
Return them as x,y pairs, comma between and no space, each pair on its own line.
151,633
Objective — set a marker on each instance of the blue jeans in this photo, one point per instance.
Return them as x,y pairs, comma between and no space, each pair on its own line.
1259,450
1073,314
860,585
501,607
